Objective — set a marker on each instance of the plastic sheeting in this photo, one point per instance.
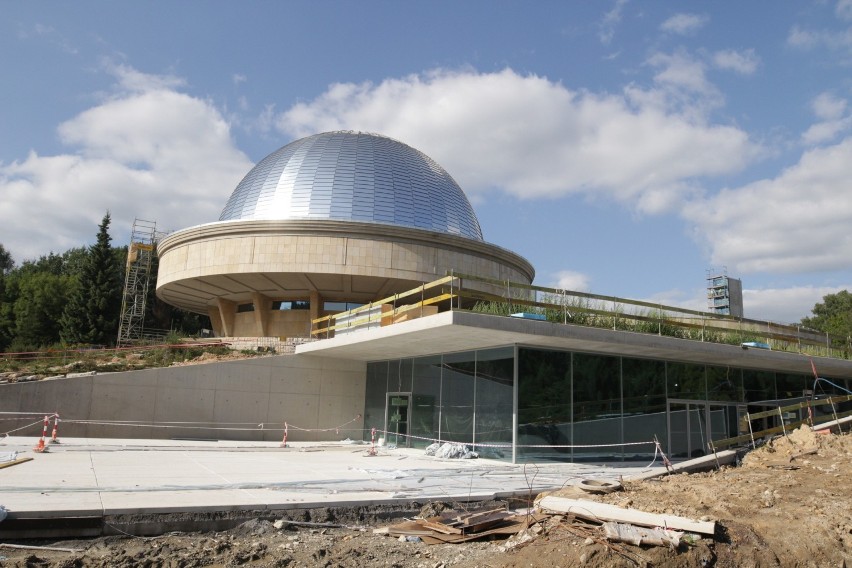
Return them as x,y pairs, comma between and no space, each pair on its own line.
451,450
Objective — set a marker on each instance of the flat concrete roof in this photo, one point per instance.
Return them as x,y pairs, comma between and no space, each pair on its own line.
84,477
455,331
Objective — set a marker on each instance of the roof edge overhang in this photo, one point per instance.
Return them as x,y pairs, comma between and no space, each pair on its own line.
456,331
351,229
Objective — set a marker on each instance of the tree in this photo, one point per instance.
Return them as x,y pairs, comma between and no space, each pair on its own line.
833,315
6,302
40,300
91,315
6,261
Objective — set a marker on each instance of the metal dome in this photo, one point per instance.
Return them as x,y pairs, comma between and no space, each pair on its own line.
354,176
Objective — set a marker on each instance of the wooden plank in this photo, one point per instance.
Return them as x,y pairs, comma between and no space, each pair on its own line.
409,528
602,512
468,519
14,462
440,527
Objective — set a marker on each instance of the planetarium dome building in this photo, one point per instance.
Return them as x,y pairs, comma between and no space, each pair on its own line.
324,224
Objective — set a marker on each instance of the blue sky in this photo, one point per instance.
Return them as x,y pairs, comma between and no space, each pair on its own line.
623,147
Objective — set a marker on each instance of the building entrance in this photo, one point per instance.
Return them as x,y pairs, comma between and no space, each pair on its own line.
397,416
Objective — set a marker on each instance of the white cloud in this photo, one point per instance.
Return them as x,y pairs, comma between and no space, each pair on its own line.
830,109
743,62
796,222
238,78
48,34
681,71
828,106
570,280
131,80
809,39
785,305
684,24
610,21
532,137
148,151
844,9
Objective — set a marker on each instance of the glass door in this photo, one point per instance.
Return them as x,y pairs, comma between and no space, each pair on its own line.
397,418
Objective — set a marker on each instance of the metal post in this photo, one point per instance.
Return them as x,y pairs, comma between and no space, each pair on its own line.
783,426
750,431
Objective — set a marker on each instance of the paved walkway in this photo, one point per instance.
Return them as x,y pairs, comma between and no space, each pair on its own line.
98,477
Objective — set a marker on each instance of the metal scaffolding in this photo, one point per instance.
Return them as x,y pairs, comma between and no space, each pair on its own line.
138,274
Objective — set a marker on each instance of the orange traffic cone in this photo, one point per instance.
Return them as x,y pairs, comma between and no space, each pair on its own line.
54,434
41,447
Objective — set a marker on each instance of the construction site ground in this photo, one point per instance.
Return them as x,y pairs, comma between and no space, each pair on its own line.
787,504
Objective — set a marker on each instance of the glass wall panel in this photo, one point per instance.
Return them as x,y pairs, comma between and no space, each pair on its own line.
758,385
644,388
790,385
393,375
687,421
597,406
724,383
405,375
686,381
457,397
495,370
375,399
426,397
544,404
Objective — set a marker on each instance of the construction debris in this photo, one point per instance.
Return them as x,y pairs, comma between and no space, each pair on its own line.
599,485
450,450
637,536
703,463
454,526
601,512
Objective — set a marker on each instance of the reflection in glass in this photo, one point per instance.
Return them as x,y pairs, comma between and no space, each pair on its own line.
597,407
644,390
374,406
495,369
426,396
544,404
457,397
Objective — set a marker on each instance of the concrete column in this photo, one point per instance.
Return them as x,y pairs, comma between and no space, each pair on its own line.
227,312
316,308
216,320
262,308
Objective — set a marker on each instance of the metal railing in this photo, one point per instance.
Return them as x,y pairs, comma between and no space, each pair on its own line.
502,297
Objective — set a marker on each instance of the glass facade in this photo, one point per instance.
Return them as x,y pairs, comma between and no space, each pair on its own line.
570,406
458,397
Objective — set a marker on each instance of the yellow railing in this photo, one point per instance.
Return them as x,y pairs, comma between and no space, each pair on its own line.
399,304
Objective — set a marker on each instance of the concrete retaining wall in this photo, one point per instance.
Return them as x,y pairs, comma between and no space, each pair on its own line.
307,392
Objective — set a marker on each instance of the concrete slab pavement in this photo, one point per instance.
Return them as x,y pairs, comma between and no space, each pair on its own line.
82,477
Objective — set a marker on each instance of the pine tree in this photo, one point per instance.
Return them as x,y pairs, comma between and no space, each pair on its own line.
91,315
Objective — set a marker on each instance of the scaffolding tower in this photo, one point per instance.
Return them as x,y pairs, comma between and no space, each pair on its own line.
140,253
724,294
